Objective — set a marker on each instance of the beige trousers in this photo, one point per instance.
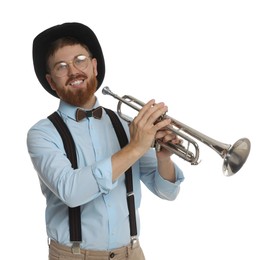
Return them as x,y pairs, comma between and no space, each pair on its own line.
57,251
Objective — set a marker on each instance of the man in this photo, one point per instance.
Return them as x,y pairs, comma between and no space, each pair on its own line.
69,64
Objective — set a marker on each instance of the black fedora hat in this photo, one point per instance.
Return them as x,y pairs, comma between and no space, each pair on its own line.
79,31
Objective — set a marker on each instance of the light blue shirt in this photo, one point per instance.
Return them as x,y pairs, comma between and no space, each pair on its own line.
105,221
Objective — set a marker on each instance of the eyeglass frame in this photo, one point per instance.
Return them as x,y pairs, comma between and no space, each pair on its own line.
88,58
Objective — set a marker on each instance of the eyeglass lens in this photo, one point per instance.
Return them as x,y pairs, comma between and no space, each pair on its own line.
80,62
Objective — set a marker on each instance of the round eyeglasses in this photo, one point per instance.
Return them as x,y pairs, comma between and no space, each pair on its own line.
80,62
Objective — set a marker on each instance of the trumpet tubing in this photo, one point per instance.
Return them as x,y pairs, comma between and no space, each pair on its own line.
234,155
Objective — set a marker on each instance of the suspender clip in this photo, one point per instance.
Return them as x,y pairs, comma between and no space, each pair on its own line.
129,194
134,241
76,249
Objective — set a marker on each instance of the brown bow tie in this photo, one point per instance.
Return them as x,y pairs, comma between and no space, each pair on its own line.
81,114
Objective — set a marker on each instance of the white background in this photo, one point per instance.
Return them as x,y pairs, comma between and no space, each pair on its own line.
210,62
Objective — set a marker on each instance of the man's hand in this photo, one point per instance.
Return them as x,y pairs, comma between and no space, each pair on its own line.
145,126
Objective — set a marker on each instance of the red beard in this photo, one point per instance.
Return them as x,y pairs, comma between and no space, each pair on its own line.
79,97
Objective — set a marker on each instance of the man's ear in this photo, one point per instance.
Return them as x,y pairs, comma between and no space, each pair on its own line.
94,64
51,82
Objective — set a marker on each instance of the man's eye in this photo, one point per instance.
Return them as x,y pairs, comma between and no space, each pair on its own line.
61,66
80,59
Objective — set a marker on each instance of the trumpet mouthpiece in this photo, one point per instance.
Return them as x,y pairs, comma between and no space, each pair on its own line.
106,91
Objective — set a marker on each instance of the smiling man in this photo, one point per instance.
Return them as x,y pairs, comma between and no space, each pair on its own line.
92,209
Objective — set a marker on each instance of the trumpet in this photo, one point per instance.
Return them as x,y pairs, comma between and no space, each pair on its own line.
234,156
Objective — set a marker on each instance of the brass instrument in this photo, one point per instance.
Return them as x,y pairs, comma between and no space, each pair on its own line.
234,155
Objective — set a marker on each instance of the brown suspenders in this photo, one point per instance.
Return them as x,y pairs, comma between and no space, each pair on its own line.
122,137
69,145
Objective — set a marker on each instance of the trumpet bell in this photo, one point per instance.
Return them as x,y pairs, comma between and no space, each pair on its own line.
236,156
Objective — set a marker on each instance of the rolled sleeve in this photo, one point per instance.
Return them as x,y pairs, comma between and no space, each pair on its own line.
102,172
166,189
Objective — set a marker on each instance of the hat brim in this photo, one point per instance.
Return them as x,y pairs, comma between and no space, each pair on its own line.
79,31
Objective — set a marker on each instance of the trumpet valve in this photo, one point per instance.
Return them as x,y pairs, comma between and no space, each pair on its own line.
156,145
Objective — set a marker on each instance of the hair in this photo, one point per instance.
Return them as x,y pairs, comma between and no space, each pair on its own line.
61,42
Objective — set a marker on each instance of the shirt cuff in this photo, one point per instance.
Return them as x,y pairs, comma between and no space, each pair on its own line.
102,172
167,189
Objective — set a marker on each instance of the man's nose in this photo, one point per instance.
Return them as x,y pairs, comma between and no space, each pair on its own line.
72,69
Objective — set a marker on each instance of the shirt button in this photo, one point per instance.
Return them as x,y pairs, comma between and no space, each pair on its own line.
112,255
